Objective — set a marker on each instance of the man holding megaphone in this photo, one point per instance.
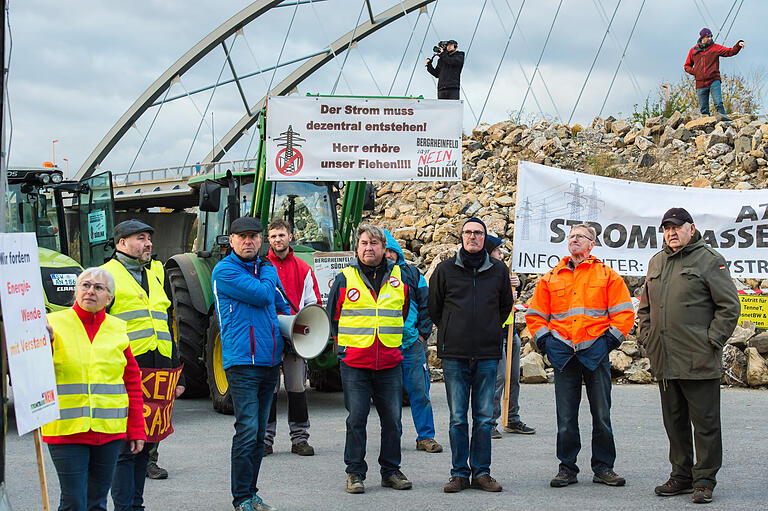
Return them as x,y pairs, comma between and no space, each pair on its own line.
300,286
368,303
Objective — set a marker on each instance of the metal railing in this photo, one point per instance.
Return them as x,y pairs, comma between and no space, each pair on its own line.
181,173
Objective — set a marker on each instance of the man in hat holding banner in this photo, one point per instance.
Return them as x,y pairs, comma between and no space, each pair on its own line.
140,301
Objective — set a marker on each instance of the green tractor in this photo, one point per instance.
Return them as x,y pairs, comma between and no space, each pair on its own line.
72,222
310,207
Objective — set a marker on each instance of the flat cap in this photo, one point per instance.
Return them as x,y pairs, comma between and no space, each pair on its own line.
677,216
246,224
132,226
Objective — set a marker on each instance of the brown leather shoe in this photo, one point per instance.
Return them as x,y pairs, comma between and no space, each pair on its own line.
673,487
455,484
429,445
702,495
486,483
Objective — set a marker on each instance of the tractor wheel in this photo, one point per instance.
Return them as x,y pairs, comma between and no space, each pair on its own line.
188,327
217,378
326,380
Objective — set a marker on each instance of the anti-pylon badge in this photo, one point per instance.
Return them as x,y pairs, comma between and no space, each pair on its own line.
353,295
394,282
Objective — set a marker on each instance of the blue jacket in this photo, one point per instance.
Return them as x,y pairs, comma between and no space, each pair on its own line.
418,320
247,303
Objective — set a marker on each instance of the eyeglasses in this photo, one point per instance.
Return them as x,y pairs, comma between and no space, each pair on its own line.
470,234
99,288
579,236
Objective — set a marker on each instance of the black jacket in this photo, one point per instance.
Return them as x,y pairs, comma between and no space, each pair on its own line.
469,306
448,70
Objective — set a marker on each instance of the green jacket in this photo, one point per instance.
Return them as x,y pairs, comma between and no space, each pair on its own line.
688,310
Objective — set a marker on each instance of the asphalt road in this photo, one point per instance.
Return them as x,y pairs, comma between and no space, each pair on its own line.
197,457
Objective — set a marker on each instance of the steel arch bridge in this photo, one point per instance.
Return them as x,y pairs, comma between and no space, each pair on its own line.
218,37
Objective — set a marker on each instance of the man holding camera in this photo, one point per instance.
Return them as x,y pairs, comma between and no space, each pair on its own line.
448,69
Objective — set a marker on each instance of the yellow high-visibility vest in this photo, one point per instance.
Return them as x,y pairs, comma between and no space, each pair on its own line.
145,315
89,376
363,318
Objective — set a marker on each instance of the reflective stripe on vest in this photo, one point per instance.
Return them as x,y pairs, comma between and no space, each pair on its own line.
89,376
146,316
362,318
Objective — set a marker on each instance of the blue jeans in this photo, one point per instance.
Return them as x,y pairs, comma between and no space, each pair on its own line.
128,482
717,98
251,388
386,388
464,378
416,383
85,474
513,416
567,398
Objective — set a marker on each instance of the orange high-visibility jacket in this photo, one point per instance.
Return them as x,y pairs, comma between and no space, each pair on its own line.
577,307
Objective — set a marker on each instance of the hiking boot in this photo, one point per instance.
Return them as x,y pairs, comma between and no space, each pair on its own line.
701,495
673,487
155,472
429,445
396,480
455,484
267,450
259,505
486,483
563,478
495,433
303,449
723,117
609,477
519,428
245,506
355,483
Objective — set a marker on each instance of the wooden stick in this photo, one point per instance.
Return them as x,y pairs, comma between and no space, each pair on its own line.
507,379
41,470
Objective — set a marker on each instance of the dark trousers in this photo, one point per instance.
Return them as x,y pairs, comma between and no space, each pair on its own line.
128,482
697,402
251,388
466,379
448,94
567,399
85,474
385,386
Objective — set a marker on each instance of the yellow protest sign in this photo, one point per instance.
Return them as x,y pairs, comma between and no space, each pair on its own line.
754,308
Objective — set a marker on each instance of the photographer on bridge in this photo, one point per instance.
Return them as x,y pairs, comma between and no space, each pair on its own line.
448,69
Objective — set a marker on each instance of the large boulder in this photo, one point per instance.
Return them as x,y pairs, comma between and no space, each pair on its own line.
741,334
620,362
757,369
620,127
734,364
630,348
532,369
760,343
702,123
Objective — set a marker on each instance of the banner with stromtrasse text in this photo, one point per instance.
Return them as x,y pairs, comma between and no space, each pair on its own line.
626,215
363,139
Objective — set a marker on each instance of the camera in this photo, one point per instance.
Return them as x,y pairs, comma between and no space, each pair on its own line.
444,45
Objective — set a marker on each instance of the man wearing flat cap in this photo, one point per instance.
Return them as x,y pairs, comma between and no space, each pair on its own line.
688,310
247,303
140,301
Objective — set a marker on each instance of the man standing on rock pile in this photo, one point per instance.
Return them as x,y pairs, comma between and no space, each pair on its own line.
580,311
703,62
688,310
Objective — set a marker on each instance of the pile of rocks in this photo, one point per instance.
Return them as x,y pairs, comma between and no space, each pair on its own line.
681,150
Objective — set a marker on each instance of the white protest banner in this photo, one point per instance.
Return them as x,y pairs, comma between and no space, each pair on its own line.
363,139
327,266
626,215
26,339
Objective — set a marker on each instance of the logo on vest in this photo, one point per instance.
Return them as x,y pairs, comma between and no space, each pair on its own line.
353,295
394,282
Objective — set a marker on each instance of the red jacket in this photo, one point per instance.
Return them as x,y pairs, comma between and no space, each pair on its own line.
297,278
132,379
705,64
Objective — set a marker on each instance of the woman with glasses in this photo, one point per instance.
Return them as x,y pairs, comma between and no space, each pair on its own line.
99,388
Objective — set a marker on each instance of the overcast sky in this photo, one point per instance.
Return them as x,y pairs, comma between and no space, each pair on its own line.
77,66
